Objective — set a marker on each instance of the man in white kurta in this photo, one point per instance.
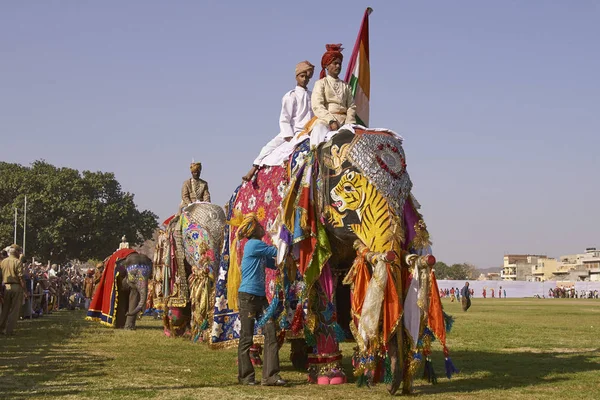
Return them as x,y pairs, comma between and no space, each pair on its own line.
332,100
296,112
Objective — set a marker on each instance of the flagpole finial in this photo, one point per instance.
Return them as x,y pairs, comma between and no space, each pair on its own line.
369,10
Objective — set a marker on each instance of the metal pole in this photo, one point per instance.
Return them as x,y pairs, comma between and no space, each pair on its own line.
24,223
15,238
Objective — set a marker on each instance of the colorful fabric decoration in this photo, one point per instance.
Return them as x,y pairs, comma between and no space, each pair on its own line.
103,307
261,196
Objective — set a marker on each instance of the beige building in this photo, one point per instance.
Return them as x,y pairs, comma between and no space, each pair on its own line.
579,267
544,269
519,267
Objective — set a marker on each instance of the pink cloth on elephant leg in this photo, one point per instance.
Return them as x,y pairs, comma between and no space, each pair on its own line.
326,281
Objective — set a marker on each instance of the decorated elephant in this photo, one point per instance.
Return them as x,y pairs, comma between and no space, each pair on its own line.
353,260
132,274
122,290
189,254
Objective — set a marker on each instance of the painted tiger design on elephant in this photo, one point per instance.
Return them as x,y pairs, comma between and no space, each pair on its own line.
378,222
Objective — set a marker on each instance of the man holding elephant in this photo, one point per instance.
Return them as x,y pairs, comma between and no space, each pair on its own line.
252,302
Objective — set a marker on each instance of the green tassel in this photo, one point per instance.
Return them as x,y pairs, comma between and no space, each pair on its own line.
310,338
204,325
340,335
388,369
448,322
361,380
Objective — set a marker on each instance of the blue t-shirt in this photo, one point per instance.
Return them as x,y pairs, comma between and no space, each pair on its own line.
257,256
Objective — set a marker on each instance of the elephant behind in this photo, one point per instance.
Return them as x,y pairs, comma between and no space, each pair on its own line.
132,275
193,242
122,290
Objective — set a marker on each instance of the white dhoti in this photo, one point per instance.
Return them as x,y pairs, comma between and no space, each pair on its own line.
276,152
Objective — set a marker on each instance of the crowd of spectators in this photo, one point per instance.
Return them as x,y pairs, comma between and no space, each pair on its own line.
563,292
54,287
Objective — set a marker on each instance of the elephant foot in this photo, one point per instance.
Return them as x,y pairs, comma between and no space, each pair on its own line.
393,388
327,376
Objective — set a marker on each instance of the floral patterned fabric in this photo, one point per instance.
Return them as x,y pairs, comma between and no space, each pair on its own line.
262,196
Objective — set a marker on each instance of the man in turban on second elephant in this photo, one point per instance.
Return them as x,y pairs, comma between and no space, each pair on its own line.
332,100
194,189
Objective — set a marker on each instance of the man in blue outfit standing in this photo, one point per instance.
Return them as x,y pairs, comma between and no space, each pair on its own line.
252,301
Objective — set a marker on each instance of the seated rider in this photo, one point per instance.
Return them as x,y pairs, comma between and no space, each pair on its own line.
194,189
332,100
296,112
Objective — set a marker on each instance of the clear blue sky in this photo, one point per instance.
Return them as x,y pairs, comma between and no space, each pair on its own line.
498,102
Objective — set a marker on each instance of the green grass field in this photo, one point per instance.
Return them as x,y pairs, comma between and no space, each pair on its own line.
506,349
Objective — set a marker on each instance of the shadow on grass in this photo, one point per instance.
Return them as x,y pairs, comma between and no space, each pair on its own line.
38,356
483,370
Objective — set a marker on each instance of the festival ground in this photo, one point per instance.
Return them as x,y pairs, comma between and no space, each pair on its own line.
506,349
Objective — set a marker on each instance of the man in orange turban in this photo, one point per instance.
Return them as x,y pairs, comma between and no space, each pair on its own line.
332,100
296,112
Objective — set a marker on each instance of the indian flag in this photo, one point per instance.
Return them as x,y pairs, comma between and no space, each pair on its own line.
358,74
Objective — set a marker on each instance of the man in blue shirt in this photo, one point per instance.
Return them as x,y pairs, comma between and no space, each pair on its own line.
252,301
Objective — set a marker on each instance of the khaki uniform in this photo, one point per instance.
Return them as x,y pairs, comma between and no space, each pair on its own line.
12,274
194,190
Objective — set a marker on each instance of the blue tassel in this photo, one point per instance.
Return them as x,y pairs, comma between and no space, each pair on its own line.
429,372
448,322
450,368
340,335
269,312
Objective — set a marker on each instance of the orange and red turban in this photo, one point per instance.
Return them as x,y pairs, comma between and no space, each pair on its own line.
333,51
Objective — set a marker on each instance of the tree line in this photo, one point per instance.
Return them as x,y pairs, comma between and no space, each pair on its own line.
455,271
70,214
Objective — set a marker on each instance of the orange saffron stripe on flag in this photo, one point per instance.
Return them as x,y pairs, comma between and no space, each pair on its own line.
364,71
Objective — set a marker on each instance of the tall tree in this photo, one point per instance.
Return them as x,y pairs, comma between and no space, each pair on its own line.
70,215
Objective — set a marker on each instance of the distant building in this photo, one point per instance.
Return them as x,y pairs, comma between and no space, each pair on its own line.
544,268
539,268
518,267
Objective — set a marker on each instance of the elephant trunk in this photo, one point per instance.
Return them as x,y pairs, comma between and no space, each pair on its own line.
143,295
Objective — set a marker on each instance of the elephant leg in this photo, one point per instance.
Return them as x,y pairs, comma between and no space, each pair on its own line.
299,354
395,354
134,299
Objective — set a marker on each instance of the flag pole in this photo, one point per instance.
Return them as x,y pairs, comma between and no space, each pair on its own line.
15,238
24,223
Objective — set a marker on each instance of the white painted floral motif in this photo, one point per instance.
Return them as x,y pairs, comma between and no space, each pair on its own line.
237,326
217,329
281,189
268,196
221,303
251,203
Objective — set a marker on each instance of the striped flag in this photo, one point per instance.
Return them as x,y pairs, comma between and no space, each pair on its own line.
358,74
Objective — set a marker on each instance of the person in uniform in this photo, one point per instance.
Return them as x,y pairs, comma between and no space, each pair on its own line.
12,278
194,189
